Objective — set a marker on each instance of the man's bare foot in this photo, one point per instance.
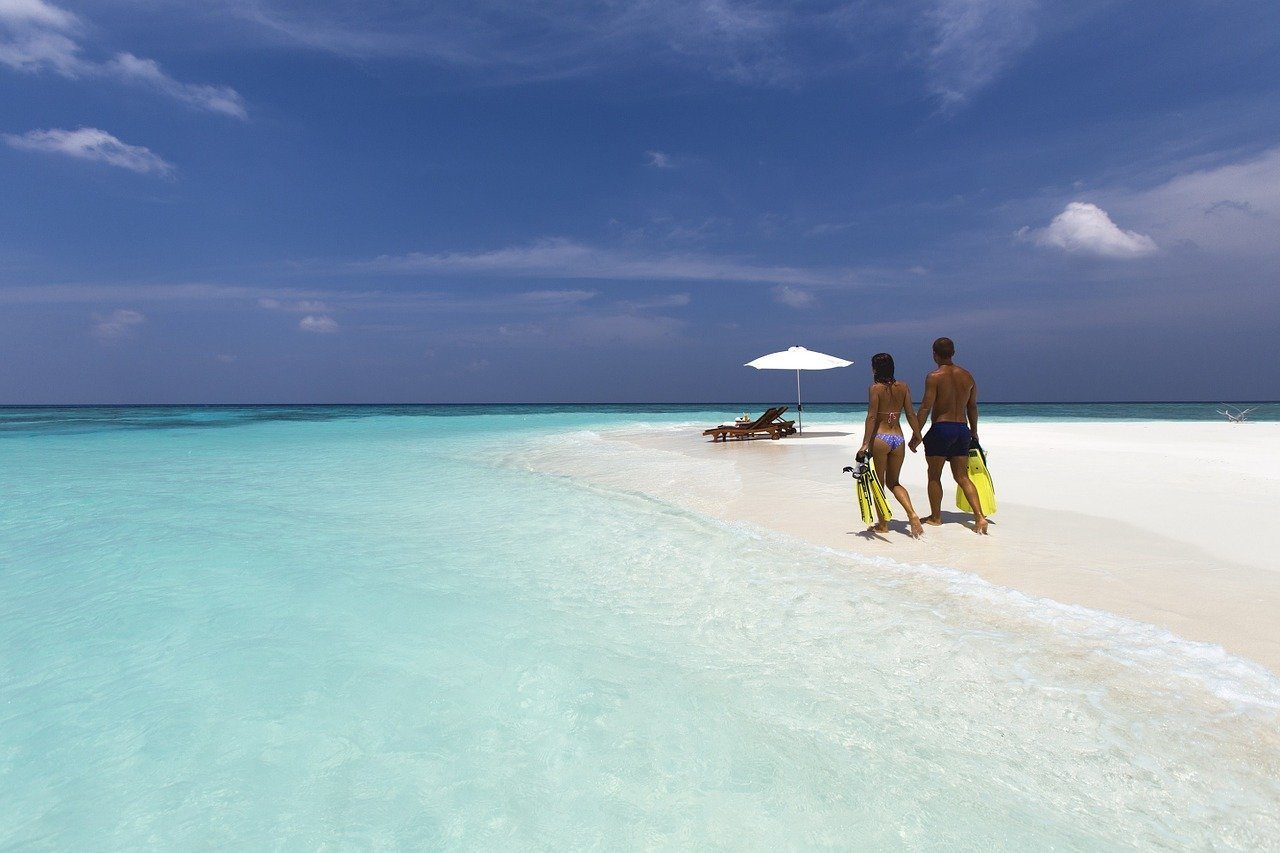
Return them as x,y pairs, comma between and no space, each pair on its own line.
936,521
882,527
917,530
980,526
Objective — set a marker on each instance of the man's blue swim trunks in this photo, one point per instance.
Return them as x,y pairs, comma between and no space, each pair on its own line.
947,438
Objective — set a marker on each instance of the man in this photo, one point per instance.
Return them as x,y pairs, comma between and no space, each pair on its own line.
951,396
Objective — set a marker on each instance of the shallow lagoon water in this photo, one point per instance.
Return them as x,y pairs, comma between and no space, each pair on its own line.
379,628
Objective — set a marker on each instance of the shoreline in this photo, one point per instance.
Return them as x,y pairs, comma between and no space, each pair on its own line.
1146,545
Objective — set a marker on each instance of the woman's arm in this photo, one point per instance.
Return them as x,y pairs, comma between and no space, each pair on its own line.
926,406
910,411
873,406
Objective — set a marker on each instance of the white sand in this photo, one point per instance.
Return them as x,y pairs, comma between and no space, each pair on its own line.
1164,522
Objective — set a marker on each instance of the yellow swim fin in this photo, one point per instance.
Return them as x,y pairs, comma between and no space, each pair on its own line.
981,479
871,502
877,492
866,505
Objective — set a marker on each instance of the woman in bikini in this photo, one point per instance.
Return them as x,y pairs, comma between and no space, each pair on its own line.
887,400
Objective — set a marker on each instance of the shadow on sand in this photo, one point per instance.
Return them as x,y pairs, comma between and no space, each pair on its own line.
895,526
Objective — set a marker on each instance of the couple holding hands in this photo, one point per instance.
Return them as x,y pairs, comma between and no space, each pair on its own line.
951,398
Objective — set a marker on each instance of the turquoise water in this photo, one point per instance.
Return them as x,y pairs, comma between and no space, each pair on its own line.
273,627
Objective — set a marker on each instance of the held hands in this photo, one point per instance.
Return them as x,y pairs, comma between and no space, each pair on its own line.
915,442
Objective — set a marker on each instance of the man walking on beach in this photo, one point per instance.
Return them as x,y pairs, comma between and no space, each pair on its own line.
951,396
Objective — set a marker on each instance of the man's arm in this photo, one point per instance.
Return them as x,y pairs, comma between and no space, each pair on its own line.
972,410
926,407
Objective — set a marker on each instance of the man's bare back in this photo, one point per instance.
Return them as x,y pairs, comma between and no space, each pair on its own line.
953,388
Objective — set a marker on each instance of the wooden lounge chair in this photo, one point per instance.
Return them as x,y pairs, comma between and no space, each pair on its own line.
770,424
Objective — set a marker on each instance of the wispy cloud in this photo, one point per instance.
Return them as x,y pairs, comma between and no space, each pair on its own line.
962,44
970,42
1232,207
741,40
120,323
36,36
794,297
90,143
561,258
659,159
318,324
1084,228
670,300
299,306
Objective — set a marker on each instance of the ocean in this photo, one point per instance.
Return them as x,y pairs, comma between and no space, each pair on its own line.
386,627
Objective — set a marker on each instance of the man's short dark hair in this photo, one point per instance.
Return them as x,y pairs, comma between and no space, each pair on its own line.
944,348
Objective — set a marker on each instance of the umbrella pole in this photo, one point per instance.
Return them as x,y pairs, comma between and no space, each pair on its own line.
799,406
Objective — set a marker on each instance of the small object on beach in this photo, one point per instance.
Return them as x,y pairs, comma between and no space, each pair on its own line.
798,359
744,419
1234,415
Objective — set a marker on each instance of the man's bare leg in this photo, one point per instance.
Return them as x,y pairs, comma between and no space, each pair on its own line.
960,470
935,464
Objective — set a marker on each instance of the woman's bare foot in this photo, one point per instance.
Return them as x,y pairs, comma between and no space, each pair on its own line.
934,520
980,526
917,530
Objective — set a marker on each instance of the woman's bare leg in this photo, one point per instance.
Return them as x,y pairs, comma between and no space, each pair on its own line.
880,452
892,469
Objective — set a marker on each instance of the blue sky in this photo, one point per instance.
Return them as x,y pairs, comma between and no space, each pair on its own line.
255,200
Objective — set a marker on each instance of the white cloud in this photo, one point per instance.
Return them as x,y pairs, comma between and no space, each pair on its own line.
1233,207
35,13
794,297
658,160
120,323
297,306
1084,228
90,143
36,36
670,300
970,42
560,258
320,324
555,297
147,73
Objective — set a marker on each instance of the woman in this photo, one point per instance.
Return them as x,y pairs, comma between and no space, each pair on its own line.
887,399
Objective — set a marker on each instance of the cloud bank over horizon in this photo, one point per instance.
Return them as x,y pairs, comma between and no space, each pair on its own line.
487,201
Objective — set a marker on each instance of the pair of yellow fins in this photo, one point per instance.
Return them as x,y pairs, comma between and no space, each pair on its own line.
871,497
873,505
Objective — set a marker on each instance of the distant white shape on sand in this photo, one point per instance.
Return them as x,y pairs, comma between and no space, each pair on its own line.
1084,228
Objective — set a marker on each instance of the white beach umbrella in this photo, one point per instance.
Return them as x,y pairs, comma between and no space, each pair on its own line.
797,359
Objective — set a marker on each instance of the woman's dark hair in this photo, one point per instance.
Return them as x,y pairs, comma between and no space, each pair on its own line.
882,367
